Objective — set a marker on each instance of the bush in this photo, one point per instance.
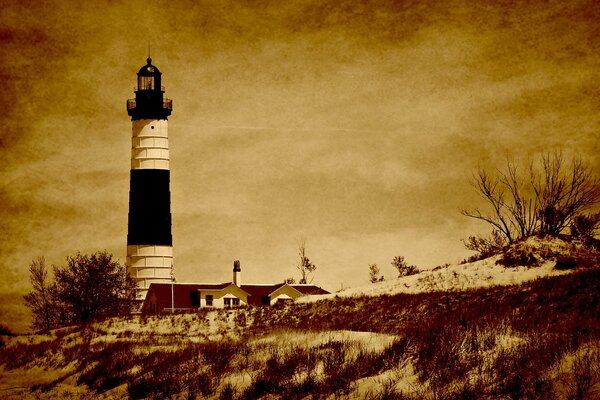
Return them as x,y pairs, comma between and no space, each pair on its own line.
571,261
5,331
518,257
585,374
88,288
484,246
585,226
403,268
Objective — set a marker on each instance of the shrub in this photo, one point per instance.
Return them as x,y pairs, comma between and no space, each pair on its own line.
5,331
374,274
565,262
585,226
518,257
228,392
577,259
88,288
403,268
484,246
585,374
218,355
241,319
22,354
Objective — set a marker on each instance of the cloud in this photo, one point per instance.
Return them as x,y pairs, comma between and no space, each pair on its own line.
355,125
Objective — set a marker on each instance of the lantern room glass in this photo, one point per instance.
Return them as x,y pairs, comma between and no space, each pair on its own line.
146,83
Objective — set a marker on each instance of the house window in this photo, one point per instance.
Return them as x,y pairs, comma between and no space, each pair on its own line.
194,298
209,300
227,302
266,300
235,302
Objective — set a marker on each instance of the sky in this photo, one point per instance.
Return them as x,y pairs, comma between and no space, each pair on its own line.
352,126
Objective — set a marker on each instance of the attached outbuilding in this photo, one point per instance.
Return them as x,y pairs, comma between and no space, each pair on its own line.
185,297
268,295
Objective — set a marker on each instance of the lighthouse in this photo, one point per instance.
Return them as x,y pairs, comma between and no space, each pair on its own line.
149,238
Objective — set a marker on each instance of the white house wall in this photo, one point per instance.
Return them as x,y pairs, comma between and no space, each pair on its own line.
283,293
283,296
219,296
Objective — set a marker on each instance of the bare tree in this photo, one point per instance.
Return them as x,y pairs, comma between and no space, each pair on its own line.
563,193
521,203
374,274
512,213
305,266
546,201
41,299
485,246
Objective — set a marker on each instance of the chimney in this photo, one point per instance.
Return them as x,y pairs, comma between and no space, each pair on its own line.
237,271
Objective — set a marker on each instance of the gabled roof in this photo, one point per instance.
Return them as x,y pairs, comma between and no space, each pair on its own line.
257,292
261,290
309,289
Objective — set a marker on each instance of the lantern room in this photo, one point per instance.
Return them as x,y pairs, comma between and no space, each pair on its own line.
149,77
149,102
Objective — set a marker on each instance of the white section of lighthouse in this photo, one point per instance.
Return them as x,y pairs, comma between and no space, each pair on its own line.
149,239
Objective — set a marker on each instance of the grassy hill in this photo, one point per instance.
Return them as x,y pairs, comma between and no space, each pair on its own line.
538,339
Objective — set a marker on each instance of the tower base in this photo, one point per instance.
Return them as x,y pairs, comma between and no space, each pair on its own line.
148,264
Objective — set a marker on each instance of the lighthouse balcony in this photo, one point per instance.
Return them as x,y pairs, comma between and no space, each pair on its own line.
167,104
148,87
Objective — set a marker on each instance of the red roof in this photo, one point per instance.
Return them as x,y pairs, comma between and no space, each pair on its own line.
160,294
258,292
310,289
183,293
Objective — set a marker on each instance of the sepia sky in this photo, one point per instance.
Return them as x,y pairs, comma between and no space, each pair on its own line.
353,125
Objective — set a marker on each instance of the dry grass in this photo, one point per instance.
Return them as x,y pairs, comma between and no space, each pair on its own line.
539,340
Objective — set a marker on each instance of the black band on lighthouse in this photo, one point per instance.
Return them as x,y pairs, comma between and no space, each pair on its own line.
149,208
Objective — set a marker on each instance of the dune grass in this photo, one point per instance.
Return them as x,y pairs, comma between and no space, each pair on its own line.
539,340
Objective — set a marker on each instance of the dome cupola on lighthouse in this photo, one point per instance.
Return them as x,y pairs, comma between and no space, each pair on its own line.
149,77
149,102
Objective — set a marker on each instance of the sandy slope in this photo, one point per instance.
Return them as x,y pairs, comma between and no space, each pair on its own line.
479,274
176,331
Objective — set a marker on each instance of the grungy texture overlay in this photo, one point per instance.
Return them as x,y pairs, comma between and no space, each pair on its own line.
353,125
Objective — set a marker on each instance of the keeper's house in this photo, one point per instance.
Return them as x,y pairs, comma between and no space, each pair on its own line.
187,297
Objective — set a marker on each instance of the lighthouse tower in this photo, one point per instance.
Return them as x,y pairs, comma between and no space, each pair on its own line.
149,239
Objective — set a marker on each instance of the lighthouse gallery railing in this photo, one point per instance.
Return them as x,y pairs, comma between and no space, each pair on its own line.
167,104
